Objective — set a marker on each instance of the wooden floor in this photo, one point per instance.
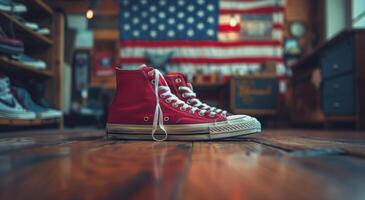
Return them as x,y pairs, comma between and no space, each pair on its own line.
280,164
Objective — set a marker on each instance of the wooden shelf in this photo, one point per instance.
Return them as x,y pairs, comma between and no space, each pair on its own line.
23,122
37,9
10,65
49,48
28,36
341,118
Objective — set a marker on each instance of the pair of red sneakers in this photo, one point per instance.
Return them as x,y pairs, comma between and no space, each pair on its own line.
148,105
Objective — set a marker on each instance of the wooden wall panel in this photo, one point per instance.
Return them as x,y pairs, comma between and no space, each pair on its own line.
311,13
297,10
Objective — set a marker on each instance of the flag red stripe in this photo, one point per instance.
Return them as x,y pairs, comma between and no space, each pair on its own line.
189,43
206,60
261,10
229,28
278,26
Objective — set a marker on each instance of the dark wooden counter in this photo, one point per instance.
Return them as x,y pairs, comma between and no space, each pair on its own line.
312,59
327,85
281,164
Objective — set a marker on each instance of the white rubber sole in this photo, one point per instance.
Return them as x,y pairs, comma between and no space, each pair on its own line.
206,131
25,116
46,115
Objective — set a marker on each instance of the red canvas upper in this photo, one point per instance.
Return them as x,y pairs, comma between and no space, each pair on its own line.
135,101
176,80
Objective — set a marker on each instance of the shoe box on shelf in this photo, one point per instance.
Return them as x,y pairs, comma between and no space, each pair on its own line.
31,63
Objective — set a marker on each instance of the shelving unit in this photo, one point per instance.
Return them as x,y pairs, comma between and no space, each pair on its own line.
10,66
40,8
46,47
29,37
35,122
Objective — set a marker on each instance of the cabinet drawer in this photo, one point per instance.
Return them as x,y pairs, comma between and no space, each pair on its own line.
341,102
343,85
338,59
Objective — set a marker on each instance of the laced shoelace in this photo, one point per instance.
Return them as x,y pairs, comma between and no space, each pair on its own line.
166,93
188,92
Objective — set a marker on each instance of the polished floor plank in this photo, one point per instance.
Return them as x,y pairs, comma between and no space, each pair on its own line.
251,171
330,135
255,171
276,164
352,143
124,169
30,139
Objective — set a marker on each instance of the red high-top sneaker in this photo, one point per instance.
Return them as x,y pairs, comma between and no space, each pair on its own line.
180,87
144,107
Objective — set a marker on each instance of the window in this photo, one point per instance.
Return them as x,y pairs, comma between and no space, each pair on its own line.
358,13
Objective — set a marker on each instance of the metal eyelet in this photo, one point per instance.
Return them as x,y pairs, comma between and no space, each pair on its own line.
183,95
178,80
166,119
153,81
146,118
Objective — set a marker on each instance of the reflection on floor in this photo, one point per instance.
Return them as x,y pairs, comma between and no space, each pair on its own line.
280,164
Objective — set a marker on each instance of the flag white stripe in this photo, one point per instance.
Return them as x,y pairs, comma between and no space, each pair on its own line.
225,69
189,52
234,5
278,18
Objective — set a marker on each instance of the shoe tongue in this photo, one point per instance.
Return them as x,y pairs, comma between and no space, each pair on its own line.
147,69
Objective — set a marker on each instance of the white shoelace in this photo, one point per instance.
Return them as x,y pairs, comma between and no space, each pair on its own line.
158,116
188,92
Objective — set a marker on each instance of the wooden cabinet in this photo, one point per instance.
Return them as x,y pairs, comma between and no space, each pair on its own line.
341,61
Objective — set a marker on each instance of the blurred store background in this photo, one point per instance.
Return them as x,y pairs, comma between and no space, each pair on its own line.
291,63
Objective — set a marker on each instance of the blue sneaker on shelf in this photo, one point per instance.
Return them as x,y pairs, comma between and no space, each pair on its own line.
10,108
25,99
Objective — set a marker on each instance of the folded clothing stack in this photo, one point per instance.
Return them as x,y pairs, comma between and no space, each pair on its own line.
32,62
10,46
33,25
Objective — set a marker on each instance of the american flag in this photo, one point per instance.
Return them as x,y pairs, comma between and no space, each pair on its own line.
198,34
